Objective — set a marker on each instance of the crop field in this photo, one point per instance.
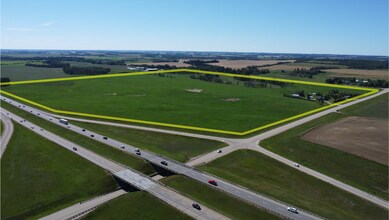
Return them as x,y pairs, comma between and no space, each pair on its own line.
354,170
367,74
364,137
175,99
16,71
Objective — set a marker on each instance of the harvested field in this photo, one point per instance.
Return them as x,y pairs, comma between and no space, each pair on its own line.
377,74
177,64
362,136
237,64
292,66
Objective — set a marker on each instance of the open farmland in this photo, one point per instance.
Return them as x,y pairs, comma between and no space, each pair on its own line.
177,64
368,74
238,64
361,136
175,99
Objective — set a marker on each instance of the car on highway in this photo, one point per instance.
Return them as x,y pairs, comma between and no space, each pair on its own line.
196,206
74,148
105,138
297,165
137,150
138,153
32,127
212,182
219,151
92,135
164,163
38,114
83,129
294,210
122,147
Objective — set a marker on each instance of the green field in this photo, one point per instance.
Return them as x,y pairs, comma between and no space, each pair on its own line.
136,205
216,200
270,177
39,177
161,99
177,147
367,175
97,147
17,71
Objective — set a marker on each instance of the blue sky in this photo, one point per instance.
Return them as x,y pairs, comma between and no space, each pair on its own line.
298,26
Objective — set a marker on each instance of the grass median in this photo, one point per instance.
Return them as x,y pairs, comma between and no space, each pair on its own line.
136,205
216,200
177,147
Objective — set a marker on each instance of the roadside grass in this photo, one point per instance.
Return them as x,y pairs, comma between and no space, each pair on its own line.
177,147
39,177
361,173
1,127
375,108
216,200
270,177
99,148
136,205
165,99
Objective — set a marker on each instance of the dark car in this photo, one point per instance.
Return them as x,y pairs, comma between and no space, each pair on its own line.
138,153
212,182
196,206
105,138
74,148
122,147
83,129
164,163
92,135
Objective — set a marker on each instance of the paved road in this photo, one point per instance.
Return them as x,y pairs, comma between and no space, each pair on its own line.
253,144
239,192
81,209
128,175
8,130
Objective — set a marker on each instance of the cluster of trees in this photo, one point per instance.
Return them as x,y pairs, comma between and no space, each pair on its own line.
5,80
250,70
303,72
48,64
74,70
337,96
200,62
207,77
163,67
57,59
378,83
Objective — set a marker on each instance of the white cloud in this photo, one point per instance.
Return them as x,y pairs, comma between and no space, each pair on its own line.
46,24
21,29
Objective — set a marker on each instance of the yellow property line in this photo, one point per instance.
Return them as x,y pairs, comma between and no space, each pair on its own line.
370,92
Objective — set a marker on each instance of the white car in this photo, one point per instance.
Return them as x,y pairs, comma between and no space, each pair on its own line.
291,209
297,165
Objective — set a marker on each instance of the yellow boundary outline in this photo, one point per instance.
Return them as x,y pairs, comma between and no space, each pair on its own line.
370,91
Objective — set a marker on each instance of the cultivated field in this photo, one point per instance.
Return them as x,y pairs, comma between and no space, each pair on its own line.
368,74
364,137
238,64
361,173
307,65
171,100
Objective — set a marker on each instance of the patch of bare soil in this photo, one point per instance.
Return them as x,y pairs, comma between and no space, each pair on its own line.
362,136
231,100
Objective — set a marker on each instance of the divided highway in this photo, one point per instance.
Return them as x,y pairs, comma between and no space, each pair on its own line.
239,192
132,177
